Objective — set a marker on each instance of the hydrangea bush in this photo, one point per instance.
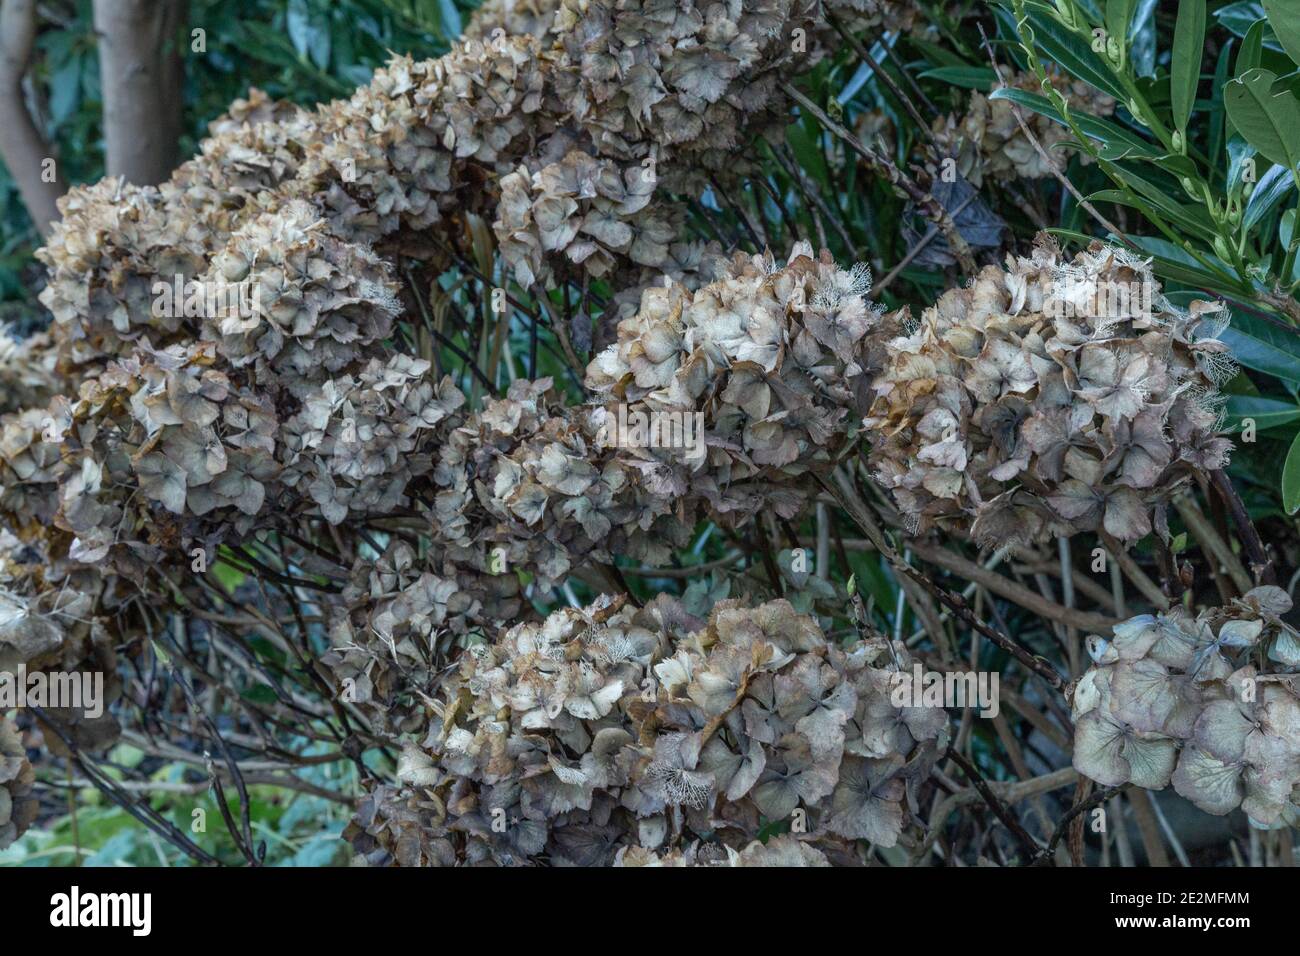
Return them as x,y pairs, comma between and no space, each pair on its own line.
534,633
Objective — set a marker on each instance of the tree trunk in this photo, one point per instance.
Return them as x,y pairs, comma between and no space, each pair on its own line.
22,147
140,73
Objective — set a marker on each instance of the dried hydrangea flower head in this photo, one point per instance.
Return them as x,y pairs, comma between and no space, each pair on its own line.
291,296
604,729
1182,700
583,211
360,439
27,371
115,241
1054,396
987,142
523,483
57,631
513,17
18,805
582,120
747,383
385,639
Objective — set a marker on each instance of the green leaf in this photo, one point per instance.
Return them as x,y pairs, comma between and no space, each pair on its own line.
1260,345
297,20
1119,13
1267,412
1185,63
1284,18
1270,123
259,694
1104,131
1142,52
1291,478
934,53
229,577
1071,52
1252,48
1240,17
450,18
966,77
163,657
1219,125
804,139
1192,218
309,31
1272,186
1148,208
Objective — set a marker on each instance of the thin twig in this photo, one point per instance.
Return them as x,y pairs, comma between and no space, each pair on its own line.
849,499
1047,158
1012,590
1096,800
930,207
1027,842
1210,539
136,808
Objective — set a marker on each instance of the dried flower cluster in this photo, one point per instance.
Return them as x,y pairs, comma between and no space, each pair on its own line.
315,305
568,133
988,143
27,372
359,441
775,360
608,732
1179,699
1053,397
770,357
57,631
181,427
156,432
17,805
513,17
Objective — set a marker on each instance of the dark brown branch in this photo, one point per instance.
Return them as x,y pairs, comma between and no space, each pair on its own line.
1063,827
1260,563
1027,844
849,499
139,809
